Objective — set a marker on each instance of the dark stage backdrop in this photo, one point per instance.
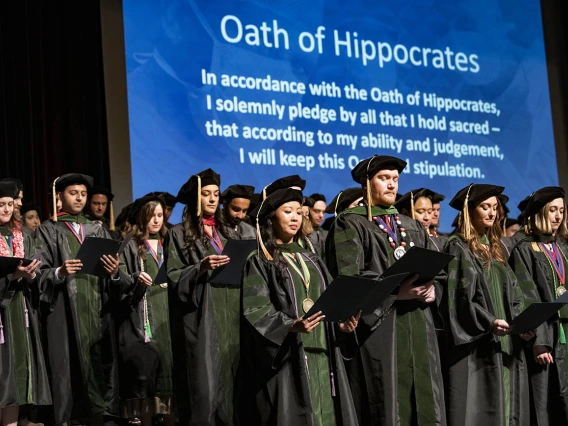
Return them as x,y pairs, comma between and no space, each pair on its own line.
52,106
53,117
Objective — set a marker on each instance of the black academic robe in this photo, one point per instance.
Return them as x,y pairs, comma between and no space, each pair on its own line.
485,375
273,376
244,231
205,335
549,384
317,241
398,332
79,334
145,363
35,373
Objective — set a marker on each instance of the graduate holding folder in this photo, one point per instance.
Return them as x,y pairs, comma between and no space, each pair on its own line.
146,364
76,310
486,377
293,371
396,378
23,374
204,315
540,263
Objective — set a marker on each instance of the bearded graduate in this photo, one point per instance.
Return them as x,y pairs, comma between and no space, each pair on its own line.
293,372
396,378
146,388
487,382
236,204
540,262
80,337
205,316
23,374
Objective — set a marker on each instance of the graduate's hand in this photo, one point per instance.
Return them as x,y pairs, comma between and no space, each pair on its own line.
145,279
213,262
70,267
409,291
110,264
27,272
528,335
542,355
500,327
428,295
307,325
350,325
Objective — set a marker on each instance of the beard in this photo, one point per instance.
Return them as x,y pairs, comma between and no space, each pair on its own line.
384,200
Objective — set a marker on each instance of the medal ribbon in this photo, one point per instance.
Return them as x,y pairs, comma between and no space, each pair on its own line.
389,227
301,268
159,256
555,260
215,240
8,242
81,235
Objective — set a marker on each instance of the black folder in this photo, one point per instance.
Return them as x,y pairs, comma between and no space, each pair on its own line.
347,295
93,249
533,316
8,265
162,276
238,251
424,262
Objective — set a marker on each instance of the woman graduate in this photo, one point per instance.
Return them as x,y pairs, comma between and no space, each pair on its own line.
293,373
205,342
540,264
23,375
144,331
486,377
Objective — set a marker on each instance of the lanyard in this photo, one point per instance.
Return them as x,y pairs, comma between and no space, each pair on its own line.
300,267
215,240
556,260
80,235
8,243
158,256
390,228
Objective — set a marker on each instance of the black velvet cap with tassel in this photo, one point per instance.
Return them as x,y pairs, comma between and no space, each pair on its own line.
64,181
342,200
192,188
538,199
284,182
408,200
237,191
137,205
9,189
17,181
169,199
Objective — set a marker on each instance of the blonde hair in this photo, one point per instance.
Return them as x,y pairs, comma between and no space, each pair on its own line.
539,224
471,237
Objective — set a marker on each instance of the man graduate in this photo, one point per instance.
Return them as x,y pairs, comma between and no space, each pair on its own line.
100,202
79,342
236,203
396,378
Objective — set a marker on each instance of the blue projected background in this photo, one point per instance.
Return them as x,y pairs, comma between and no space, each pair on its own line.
257,90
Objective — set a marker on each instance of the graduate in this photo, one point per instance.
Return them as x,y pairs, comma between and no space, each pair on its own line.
99,207
317,213
80,341
314,239
146,365
18,201
435,221
204,316
540,264
30,216
170,201
396,378
236,203
293,371
486,375
23,374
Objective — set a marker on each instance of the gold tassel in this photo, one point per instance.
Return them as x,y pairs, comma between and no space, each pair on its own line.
54,199
259,237
198,195
337,203
466,219
264,192
369,201
111,220
412,205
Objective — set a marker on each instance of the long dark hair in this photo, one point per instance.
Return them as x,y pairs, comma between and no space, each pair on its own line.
140,228
193,227
269,238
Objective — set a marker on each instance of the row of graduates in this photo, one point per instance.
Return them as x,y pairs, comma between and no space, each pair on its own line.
434,354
